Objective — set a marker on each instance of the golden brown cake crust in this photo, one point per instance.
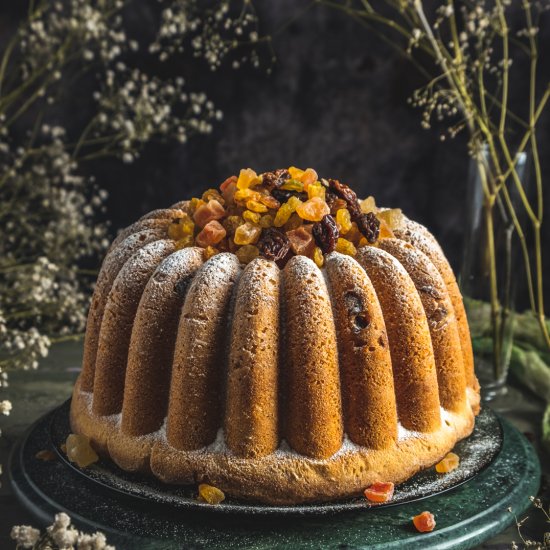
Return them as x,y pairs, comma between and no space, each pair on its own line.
413,363
252,400
441,320
421,238
283,477
370,415
311,384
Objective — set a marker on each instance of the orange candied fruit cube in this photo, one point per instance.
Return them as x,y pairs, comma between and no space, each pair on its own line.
210,494
449,463
313,210
379,491
248,178
424,522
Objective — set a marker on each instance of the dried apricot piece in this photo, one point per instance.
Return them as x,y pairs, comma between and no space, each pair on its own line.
424,522
212,233
205,213
210,494
380,491
447,464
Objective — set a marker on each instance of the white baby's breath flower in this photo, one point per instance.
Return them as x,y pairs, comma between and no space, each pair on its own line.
5,407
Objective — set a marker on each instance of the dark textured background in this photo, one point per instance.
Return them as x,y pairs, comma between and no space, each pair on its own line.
336,101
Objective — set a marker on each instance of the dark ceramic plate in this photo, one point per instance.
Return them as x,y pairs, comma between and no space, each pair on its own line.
476,453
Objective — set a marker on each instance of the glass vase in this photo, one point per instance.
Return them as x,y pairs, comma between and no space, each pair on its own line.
489,273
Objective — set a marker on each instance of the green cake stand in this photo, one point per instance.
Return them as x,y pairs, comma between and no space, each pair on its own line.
499,472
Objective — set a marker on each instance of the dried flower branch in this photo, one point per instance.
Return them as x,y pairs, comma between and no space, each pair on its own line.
466,50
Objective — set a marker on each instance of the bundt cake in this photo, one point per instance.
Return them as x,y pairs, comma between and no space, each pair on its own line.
279,339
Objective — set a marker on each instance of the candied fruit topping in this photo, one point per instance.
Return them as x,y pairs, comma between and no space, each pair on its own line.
252,217
212,233
313,210
280,214
448,463
80,451
379,491
256,206
345,247
248,178
424,522
301,240
318,257
210,494
248,233
343,219
212,210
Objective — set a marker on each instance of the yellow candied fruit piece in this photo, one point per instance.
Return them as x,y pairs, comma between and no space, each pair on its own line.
256,206
194,203
248,178
318,257
210,494
248,233
80,451
252,217
345,247
295,173
181,227
316,190
313,210
363,242
343,219
247,253
185,242
266,221
210,251
448,464
293,185
286,210
392,216
243,195
368,205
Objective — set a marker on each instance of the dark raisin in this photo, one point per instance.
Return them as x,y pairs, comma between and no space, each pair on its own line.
326,234
275,179
344,192
369,226
282,195
273,244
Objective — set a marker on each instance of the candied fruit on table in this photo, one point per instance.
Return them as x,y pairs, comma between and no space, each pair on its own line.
280,214
80,451
379,491
210,494
424,522
449,463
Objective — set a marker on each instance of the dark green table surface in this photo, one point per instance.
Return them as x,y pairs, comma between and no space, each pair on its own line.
34,393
